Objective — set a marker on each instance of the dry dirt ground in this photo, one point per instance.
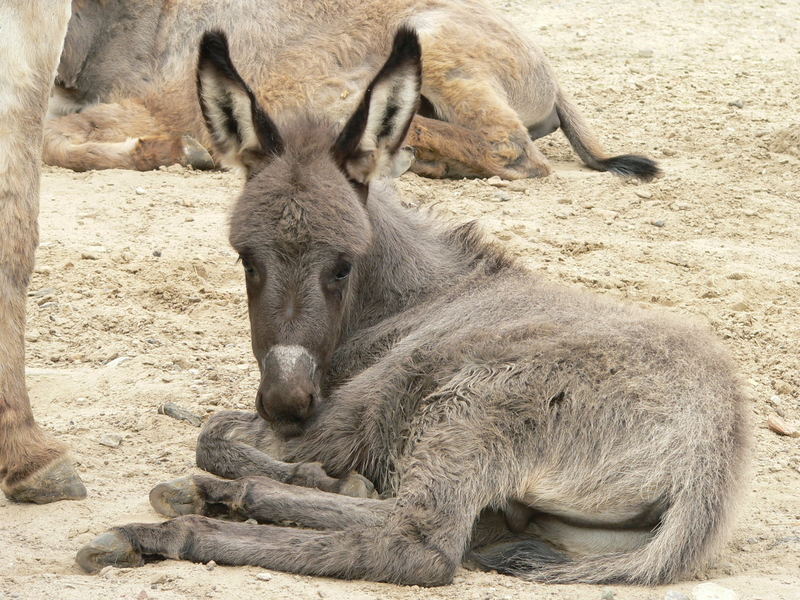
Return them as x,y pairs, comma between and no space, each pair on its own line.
137,299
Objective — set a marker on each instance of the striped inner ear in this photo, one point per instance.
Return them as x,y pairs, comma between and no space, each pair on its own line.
242,132
368,146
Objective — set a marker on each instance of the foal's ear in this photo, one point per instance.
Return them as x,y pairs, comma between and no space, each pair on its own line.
369,145
242,132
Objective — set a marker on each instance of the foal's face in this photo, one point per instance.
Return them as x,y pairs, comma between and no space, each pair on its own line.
300,230
301,226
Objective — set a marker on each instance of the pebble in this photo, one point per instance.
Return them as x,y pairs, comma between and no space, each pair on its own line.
43,293
176,412
749,212
112,440
646,194
117,361
502,197
210,565
156,253
140,191
607,595
645,53
658,223
712,591
736,103
89,255
497,182
106,572
676,595
740,306
264,577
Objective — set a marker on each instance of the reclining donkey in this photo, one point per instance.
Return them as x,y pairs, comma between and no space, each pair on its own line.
125,101
534,429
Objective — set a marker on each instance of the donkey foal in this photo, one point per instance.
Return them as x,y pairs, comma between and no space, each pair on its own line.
535,429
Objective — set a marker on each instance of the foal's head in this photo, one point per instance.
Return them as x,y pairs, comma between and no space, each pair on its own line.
300,225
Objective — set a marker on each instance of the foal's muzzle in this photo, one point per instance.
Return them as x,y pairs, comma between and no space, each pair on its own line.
288,391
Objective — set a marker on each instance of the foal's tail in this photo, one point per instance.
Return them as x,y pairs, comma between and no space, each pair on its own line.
582,139
692,527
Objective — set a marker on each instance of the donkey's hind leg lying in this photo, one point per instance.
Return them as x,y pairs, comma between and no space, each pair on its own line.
121,135
236,444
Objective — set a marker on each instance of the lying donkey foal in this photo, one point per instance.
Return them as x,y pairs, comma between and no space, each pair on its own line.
536,429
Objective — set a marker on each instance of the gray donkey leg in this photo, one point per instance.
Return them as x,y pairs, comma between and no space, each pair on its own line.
266,501
419,540
236,444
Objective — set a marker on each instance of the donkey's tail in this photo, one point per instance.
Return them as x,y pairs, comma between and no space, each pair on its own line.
582,139
692,527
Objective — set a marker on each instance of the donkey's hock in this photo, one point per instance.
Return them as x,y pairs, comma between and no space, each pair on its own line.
534,429
488,89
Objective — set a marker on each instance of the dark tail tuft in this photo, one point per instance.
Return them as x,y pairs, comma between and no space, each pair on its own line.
519,558
632,165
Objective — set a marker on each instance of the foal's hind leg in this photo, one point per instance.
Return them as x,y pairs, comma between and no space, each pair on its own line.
236,444
124,135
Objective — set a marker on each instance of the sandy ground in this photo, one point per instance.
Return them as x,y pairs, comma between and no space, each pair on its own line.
137,299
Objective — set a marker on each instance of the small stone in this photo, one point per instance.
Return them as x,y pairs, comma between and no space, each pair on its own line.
43,293
502,197
712,591
741,306
89,255
111,440
176,412
669,152
675,595
32,335
607,595
781,427
210,565
106,572
264,577
156,253
118,361
140,191
645,53
658,223
251,521
749,212
497,182
737,276
782,387
646,194
736,103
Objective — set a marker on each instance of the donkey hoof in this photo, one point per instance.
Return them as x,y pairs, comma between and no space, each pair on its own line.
59,481
195,155
357,486
177,497
108,549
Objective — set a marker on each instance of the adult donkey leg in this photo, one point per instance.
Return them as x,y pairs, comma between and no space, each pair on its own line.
33,466
236,444
124,135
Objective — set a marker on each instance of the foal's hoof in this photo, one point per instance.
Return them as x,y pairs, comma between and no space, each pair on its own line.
108,549
195,155
357,486
59,481
177,497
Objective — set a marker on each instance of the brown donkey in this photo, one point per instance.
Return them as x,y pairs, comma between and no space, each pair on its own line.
34,467
536,429
124,91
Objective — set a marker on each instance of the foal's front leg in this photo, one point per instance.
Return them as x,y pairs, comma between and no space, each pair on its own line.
235,444
266,501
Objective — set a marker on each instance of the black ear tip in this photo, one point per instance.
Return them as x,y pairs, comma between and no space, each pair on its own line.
406,43
214,47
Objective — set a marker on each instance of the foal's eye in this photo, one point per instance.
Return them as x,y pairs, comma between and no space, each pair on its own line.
248,266
342,270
